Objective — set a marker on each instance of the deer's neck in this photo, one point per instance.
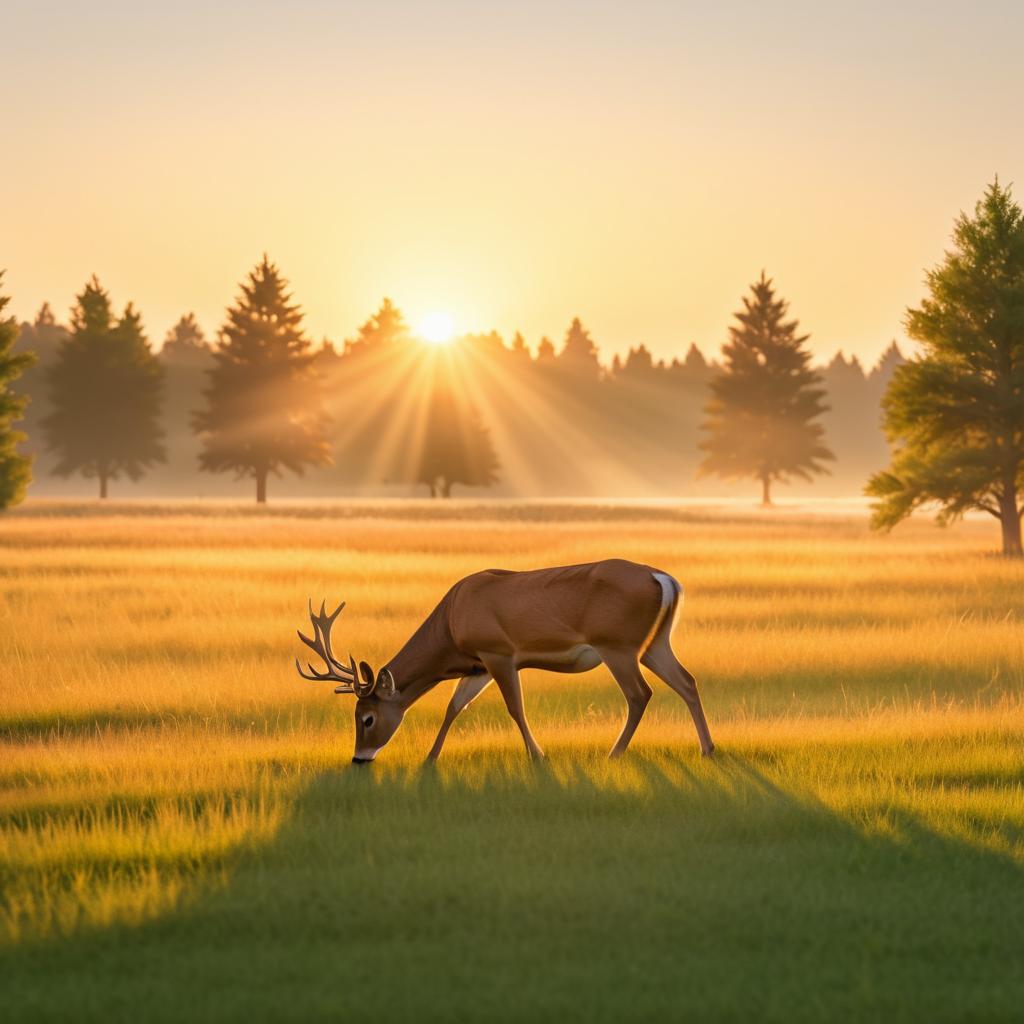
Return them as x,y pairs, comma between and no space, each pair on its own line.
428,657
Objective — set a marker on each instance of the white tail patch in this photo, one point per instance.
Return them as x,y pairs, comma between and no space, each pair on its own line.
671,599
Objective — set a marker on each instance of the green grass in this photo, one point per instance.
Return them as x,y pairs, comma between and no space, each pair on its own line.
181,835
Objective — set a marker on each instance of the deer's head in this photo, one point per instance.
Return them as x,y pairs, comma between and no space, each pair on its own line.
379,710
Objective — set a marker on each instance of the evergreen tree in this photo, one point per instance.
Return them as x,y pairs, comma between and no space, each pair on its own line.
15,469
579,354
519,347
760,419
263,411
105,393
385,328
954,415
639,363
184,339
545,351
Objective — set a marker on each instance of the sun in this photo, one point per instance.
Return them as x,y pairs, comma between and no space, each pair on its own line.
437,327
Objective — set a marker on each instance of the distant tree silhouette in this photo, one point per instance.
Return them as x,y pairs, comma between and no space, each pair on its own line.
263,411
385,328
105,394
42,338
764,401
955,414
640,364
579,353
457,447
519,347
184,338
15,469
187,358
887,363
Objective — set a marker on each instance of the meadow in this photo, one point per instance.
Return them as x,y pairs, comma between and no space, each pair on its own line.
182,836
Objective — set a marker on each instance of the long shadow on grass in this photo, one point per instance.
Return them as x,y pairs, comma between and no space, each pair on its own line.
661,887
53,726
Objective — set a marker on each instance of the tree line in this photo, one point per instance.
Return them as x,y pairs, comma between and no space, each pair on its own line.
480,412
385,408
392,410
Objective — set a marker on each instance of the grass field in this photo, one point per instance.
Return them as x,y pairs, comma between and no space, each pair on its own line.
182,837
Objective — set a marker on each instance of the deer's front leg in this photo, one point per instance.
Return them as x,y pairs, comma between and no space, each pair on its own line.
469,688
506,675
626,672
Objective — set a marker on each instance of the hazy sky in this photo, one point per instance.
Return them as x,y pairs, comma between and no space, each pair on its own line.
635,163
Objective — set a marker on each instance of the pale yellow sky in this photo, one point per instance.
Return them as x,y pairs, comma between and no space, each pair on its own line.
634,164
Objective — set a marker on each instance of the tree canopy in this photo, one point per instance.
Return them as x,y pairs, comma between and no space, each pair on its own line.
263,409
954,414
760,421
105,394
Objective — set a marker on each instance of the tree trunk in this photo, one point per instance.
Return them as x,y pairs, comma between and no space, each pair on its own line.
446,488
766,491
261,487
1010,520
103,485
433,489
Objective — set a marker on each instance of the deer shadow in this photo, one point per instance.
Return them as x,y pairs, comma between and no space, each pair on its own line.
490,888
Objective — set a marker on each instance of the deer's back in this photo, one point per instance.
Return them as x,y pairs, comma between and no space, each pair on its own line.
608,603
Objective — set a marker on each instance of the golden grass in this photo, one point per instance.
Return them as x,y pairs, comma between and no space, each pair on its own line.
153,728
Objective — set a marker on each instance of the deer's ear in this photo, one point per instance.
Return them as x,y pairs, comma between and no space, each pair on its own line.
386,683
366,672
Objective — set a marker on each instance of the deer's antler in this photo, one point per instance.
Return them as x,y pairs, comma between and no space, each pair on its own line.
345,676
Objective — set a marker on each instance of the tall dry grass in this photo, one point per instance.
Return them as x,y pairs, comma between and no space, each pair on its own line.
153,729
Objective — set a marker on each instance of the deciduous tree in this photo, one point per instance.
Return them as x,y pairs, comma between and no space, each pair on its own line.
457,447
954,414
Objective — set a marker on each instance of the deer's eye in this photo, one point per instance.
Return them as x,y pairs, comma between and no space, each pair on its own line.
368,721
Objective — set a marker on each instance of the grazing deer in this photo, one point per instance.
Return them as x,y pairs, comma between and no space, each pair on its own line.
494,623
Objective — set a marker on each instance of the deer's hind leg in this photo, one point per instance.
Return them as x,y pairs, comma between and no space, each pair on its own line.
469,688
626,672
661,660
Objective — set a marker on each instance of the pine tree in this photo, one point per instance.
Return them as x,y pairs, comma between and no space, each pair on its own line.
519,347
15,469
263,411
639,363
760,419
579,353
954,415
386,327
105,394
185,338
